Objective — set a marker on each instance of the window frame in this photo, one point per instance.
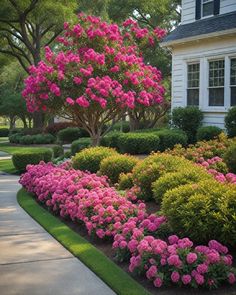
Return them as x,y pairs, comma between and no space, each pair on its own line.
193,87
230,84
202,6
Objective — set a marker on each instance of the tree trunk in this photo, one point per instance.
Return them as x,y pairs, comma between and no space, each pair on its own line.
38,120
12,122
96,140
134,124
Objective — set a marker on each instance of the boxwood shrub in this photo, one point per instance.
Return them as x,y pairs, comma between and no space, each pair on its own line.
37,139
202,211
15,137
90,158
208,132
22,159
170,137
111,139
138,143
150,169
80,144
4,132
191,174
68,135
113,166
125,181
230,158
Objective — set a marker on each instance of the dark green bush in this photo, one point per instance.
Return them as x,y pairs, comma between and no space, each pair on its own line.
202,211
170,137
111,139
125,181
138,143
58,151
15,137
37,139
230,158
121,127
69,134
150,169
22,159
191,174
90,158
113,166
80,144
230,122
188,119
4,132
208,132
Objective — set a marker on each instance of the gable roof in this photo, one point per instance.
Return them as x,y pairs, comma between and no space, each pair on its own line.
219,23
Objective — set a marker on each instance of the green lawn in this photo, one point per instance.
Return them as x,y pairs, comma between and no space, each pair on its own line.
10,149
7,166
3,139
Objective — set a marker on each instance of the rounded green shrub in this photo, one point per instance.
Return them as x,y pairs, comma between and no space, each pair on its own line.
80,144
170,137
230,158
26,139
189,119
90,158
191,174
138,143
15,137
22,159
58,151
69,134
208,132
230,122
111,139
125,181
150,169
113,166
37,139
4,132
202,211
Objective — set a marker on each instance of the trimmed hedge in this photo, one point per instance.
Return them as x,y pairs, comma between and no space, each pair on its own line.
90,158
170,137
150,169
22,159
111,139
80,144
202,211
208,132
113,166
192,174
15,137
138,143
121,126
4,132
37,139
69,134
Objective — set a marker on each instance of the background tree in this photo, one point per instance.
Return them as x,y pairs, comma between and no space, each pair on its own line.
27,26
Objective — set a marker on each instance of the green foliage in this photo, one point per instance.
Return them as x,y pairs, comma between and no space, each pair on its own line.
125,181
208,132
202,211
138,143
150,169
34,139
230,158
170,137
4,132
191,174
69,134
111,139
122,126
113,166
22,159
15,138
188,119
58,151
54,128
80,144
90,158
230,122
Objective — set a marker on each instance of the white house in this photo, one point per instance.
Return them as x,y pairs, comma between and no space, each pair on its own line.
204,58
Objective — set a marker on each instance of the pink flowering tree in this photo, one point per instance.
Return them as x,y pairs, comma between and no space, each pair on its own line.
96,74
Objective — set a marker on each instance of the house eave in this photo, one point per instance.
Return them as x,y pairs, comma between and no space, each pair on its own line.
218,34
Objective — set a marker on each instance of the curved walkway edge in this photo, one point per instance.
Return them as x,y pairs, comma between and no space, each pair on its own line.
32,262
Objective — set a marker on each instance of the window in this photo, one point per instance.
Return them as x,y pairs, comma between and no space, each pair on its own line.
233,81
216,82
207,7
193,84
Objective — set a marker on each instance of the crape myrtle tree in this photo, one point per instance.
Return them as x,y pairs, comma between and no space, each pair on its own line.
96,74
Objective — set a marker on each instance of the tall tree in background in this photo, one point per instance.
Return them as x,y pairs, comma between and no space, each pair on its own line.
27,26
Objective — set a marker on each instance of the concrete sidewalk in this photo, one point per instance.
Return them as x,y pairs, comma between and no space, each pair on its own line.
32,262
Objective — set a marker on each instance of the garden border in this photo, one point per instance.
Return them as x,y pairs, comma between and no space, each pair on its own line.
119,281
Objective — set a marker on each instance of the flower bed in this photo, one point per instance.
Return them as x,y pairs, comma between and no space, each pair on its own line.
86,197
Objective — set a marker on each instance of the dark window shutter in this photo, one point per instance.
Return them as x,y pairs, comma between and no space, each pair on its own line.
216,7
198,9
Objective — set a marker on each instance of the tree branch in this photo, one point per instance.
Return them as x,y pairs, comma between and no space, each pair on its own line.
53,37
16,56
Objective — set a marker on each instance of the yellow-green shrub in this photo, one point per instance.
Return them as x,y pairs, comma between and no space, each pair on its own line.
114,165
125,181
202,211
190,174
154,166
90,158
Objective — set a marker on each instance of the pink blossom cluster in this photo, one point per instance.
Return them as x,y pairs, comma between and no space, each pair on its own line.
97,66
216,167
176,261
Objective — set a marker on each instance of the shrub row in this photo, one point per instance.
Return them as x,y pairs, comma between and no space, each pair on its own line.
70,134
80,144
32,139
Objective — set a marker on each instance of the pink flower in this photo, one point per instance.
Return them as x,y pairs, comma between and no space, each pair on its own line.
70,101
191,258
175,276
231,278
158,282
173,239
199,279
202,268
186,279
151,273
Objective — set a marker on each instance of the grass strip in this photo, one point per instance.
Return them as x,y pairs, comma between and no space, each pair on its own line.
7,166
99,263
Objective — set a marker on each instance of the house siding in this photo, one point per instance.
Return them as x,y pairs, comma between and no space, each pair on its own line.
200,51
188,9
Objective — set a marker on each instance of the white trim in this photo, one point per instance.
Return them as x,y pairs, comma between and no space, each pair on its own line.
210,15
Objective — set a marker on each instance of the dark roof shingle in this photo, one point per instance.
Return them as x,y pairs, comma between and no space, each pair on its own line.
204,26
